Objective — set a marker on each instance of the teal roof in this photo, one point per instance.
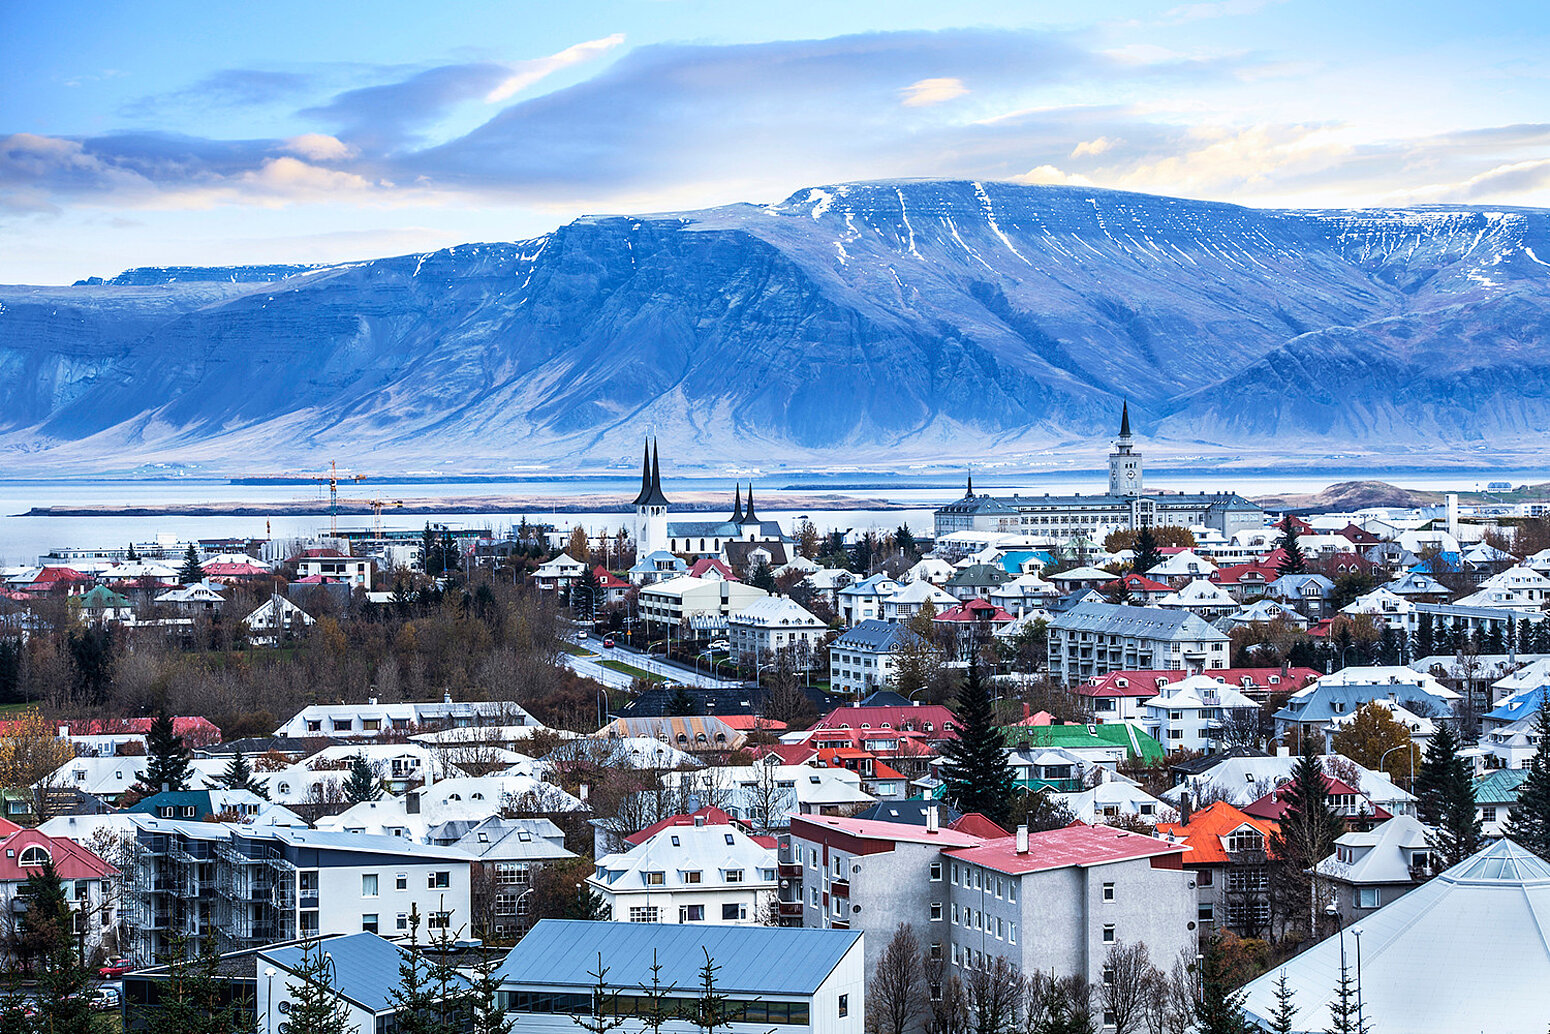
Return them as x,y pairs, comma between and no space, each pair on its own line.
200,799
752,959
1114,734
1499,787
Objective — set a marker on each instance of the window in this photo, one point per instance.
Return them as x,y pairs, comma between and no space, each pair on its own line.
1108,933
1011,933
1204,878
1205,913
1366,897
734,876
369,922
438,921
648,914
936,911
1108,892
954,876
403,920
813,896
401,881
1011,890
33,855
936,949
730,839
844,1006
734,911
936,872
675,842
656,879
691,913
691,876
438,880
368,884
1488,813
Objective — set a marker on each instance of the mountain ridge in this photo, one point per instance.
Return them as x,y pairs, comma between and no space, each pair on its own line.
889,321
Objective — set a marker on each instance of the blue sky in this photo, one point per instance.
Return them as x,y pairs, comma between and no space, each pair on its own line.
190,133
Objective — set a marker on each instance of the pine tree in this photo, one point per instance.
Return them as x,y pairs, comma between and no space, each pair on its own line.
1304,837
604,1016
239,776
681,703
1425,637
712,1008
1147,556
191,999
1218,1007
488,1016
1345,1017
167,759
62,978
415,998
1281,1015
131,556
976,770
316,1006
657,1005
191,571
362,784
1293,562
1446,799
1530,821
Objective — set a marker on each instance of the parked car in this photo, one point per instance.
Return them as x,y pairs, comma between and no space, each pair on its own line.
105,999
581,634
115,968
608,643
720,644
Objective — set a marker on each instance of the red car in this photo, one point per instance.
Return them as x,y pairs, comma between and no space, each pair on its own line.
608,644
115,969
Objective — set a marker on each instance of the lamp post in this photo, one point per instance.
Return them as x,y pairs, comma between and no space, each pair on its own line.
269,1000
1357,931
1391,750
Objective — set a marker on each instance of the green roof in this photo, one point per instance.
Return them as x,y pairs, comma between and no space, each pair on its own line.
102,597
1500,786
1115,734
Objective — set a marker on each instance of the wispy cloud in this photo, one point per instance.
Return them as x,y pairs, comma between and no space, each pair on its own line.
925,92
528,73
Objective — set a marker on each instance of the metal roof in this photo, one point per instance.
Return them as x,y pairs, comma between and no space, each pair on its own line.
1142,622
365,967
758,960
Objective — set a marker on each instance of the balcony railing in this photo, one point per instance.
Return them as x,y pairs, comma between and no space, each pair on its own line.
791,910
839,887
790,870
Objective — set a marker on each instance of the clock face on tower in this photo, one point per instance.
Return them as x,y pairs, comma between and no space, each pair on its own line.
1130,475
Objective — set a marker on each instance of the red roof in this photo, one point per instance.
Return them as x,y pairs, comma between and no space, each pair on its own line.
709,817
974,610
1207,829
196,730
889,832
1136,583
1360,536
751,723
891,719
710,563
788,753
309,554
7,827
977,825
1146,683
1075,845
234,570
1272,806
1344,563
606,579
71,860
1257,572
59,574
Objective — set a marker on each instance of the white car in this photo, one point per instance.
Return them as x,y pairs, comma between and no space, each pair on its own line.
581,635
720,644
105,999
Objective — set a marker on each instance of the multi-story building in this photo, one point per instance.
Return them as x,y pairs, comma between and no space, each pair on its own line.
672,602
689,874
1228,858
1189,714
768,626
863,600
251,886
1097,638
867,656
91,884
371,719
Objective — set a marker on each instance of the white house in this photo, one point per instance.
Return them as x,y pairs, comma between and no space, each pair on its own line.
276,619
863,600
1202,598
689,874
335,566
1188,714
906,603
675,600
770,625
867,656
371,719
559,574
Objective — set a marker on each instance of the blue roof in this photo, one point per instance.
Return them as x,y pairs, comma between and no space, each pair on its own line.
1317,703
1447,560
1520,705
200,799
876,635
365,967
753,959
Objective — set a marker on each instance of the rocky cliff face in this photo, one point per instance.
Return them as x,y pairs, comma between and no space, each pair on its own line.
872,322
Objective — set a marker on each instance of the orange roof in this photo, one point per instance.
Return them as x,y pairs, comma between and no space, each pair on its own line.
1207,829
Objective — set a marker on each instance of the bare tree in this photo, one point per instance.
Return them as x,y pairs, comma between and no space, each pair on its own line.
1127,975
948,1009
995,993
1170,998
898,988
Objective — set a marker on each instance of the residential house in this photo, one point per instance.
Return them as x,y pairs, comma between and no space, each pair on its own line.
971,624
1190,714
1201,598
332,565
276,620
199,599
1023,595
1495,795
1243,779
673,602
657,566
1521,588
1114,798
1370,868
908,601
1180,567
1262,612
558,575
689,874
1309,710
91,884
867,657
1229,854
371,719
694,734
976,582
863,600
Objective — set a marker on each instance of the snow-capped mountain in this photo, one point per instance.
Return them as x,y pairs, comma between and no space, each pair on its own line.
872,322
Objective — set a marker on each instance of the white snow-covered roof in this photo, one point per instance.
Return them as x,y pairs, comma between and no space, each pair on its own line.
1198,691
1184,562
1199,593
1466,951
1383,853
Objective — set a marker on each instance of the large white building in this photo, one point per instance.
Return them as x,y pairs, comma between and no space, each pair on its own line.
689,874
1097,638
770,625
676,600
1188,714
370,719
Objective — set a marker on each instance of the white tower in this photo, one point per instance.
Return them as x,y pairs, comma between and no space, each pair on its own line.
1124,462
650,505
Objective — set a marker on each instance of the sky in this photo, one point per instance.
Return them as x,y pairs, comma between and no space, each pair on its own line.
172,133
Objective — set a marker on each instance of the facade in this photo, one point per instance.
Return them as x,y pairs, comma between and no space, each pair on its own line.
1189,714
335,566
676,600
867,657
1097,638
91,884
371,719
1229,851
797,981
863,600
1370,868
276,619
252,886
689,874
772,624
1347,690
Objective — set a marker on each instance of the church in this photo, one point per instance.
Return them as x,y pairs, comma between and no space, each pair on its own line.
1061,518
733,539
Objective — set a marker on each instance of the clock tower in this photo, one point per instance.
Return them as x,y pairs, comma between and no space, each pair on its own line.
1124,461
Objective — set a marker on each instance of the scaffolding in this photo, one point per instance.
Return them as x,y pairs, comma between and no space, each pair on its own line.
255,894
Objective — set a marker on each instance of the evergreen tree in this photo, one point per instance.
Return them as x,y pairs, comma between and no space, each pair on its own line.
1147,555
1281,1015
905,540
488,1016
712,1008
681,703
604,1015
316,1006
588,904
1530,821
62,978
976,771
167,759
239,776
416,996
762,577
431,561
191,571
131,556
190,997
362,784
1304,837
1218,1007
1293,562
1446,799
1343,1012
1425,637
657,1005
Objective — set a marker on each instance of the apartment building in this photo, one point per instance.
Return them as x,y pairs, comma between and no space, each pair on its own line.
867,656
254,886
1097,638
371,719
768,626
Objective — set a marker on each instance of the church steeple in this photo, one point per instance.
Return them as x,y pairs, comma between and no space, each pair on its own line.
737,504
650,478
1124,420
969,492
748,515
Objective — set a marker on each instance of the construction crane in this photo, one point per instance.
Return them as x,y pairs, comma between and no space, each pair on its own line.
377,506
332,479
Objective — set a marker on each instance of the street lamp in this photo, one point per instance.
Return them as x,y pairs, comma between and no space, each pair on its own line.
269,1001
1391,750
1357,931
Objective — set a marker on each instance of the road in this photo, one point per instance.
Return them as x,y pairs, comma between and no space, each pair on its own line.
590,667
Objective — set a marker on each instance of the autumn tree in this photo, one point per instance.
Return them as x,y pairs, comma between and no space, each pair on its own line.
31,750
1372,733
1127,975
1218,1007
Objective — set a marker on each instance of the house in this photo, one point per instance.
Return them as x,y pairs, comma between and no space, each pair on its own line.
1262,612
768,794
1370,868
908,601
1097,638
1521,587
1242,779
798,981
1495,794
1245,581
769,626
334,566
1201,598
508,852
863,600
1229,852
689,874
91,884
364,976
976,582
1138,588
216,806
1485,913
611,587
1115,797
111,777
1421,728
1190,714
657,566
276,620
195,600
1309,710
1355,807
558,575
1104,746
1181,566
1025,594
867,656
101,605
971,624
1080,578
936,570
252,886
371,719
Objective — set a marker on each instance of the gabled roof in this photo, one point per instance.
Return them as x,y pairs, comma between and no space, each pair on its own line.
897,719
1387,858
877,636
1207,830
1500,786
1273,804
71,860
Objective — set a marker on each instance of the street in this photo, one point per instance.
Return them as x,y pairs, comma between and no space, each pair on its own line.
590,667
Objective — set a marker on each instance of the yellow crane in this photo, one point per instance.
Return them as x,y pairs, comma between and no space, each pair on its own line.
332,479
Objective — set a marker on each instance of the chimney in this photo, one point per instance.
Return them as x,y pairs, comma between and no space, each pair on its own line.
446,698
699,820
931,819
1186,808
412,802
64,731
1022,839
914,702
1283,751
583,790
372,701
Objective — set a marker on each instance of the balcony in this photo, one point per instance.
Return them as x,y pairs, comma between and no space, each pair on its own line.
839,924
839,888
791,910
790,870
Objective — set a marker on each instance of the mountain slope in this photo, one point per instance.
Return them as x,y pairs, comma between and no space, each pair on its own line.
870,322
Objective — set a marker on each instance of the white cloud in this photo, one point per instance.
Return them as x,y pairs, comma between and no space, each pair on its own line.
1044,175
1094,147
926,92
319,147
526,73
